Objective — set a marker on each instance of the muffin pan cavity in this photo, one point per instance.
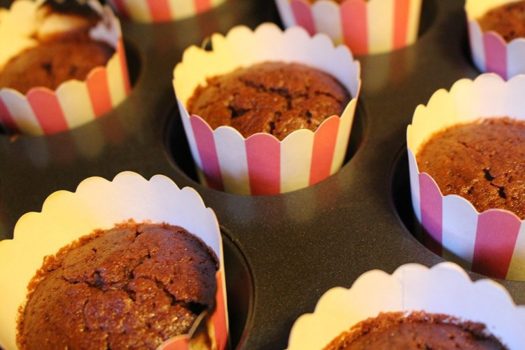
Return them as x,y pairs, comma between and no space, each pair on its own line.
240,291
401,199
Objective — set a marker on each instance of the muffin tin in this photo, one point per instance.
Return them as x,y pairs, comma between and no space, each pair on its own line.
282,252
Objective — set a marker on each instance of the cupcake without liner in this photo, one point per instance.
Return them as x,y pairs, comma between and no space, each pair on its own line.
492,242
366,26
100,204
261,164
444,289
162,10
42,111
490,52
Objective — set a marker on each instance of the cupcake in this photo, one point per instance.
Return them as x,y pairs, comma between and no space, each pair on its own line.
366,26
416,330
162,10
121,271
497,34
481,161
61,65
279,68
269,97
466,174
440,308
132,285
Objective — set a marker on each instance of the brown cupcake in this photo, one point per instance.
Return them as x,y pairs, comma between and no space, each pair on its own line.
481,161
508,20
271,97
135,285
416,331
62,52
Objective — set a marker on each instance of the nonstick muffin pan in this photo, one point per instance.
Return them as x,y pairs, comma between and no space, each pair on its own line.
282,252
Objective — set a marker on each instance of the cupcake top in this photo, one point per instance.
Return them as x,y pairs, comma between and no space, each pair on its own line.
508,20
135,285
415,331
53,62
271,97
481,161
54,47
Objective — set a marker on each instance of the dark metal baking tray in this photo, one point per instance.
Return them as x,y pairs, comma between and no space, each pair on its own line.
282,252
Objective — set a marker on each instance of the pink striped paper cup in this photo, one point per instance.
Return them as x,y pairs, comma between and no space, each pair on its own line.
490,52
261,164
366,26
162,10
444,288
42,111
492,242
100,204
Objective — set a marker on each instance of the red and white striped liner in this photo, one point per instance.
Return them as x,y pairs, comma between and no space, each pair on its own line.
43,112
444,288
367,27
490,52
261,164
100,204
493,242
162,10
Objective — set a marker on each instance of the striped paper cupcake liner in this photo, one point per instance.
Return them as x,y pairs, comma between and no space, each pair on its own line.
261,164
493,242
444,288
42,111
162,10
490,52
100,204
367,27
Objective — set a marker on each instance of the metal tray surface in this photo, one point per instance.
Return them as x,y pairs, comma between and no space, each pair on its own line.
282,252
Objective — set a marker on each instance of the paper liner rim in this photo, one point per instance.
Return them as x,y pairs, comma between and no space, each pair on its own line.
398,276
263,26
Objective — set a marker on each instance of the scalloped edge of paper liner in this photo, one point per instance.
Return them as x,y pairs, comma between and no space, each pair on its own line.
261,164
42,111
456,229
490,52
153,11
98,203
444,288
367,27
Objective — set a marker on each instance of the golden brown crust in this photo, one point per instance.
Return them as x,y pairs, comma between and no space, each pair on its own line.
51,63
480,161
415,331
272,97
133,286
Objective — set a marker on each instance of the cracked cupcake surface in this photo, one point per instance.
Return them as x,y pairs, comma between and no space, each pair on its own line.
271,97
416,331
481,161
133,287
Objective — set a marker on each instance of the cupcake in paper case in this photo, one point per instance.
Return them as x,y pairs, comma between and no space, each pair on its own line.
61,65
279,74
131,253
443,295
465,150
366,26
162,10
497,36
